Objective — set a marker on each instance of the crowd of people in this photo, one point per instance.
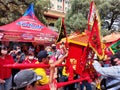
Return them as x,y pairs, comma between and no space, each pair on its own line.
28,79
50,55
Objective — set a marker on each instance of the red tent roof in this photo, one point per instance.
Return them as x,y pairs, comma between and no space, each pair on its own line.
27,29
112,37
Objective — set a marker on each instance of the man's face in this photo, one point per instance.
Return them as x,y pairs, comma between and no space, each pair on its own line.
31,87
117,61
34,87
46,60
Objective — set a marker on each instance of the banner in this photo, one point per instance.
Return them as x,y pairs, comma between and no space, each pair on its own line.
95,40
115,47
75,52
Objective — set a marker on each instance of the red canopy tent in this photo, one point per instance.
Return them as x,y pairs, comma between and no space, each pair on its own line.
27,29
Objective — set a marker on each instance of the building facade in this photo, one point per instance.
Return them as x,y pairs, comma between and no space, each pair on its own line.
57,9
60,5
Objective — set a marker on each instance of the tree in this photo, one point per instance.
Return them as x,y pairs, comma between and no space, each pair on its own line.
109,12
57,23
10,10
76,17
41,6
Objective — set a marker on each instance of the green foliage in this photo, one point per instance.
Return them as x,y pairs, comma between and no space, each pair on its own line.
109,11
58,23
10,10
76,17
76,22
105,32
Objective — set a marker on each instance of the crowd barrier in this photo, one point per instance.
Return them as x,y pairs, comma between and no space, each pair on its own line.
21,66
45,87
61,84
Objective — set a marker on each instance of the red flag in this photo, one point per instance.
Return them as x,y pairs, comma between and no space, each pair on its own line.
95,40
92,13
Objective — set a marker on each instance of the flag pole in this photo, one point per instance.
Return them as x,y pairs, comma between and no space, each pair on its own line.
63,21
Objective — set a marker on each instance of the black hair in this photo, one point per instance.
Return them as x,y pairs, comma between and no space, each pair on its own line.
63,43
3,47
40,59
116,55
33,83
21,88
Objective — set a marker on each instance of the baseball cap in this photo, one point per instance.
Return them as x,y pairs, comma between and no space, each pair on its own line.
25,77
42,54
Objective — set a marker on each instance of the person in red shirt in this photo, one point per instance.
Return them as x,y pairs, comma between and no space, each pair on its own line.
5,73
30,58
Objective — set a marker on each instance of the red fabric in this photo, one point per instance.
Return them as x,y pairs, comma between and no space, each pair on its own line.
82,61
85,74
95,41
5,72
75,52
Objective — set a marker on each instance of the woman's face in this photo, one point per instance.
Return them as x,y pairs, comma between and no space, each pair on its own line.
4,51
31,57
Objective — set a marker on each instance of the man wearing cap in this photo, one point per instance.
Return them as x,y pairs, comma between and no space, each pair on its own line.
26,80
47,76
43,59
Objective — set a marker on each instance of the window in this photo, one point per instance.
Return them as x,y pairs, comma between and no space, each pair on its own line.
51,5
67,2
59,7
59,0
